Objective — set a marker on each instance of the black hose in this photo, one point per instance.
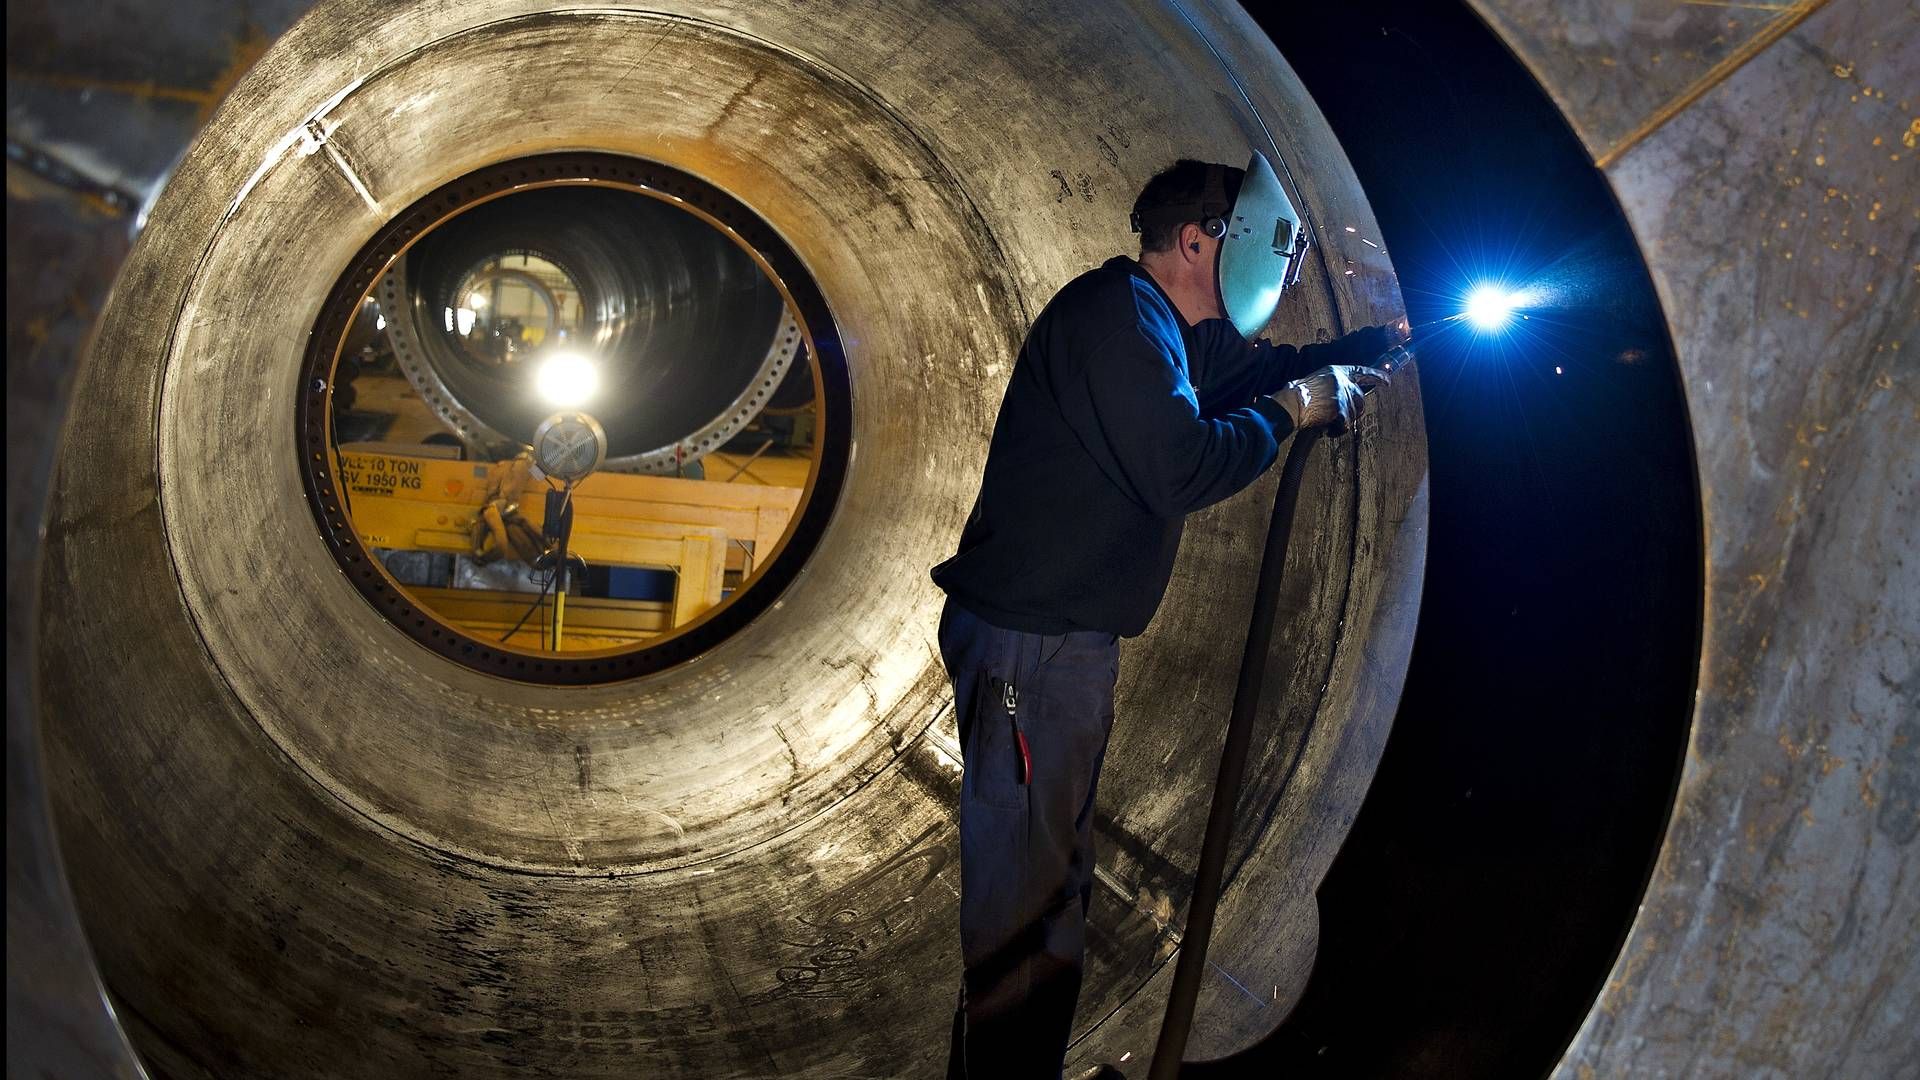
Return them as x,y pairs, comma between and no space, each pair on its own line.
1233,762
531,608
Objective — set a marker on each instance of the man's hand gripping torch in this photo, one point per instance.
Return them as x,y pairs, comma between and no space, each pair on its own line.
1335,396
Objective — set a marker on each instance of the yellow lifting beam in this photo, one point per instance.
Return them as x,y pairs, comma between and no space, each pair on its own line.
696,528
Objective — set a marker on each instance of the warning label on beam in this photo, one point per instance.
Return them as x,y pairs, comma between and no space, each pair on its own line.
371,474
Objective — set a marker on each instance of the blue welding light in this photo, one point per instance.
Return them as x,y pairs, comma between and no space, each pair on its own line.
1490,307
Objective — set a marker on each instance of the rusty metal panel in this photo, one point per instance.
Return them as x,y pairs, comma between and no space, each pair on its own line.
1623,69
1778,213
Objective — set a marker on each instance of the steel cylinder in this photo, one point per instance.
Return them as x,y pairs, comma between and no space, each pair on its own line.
688,335
369,860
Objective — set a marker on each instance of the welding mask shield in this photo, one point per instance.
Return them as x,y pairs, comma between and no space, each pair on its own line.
1261,250
1261,239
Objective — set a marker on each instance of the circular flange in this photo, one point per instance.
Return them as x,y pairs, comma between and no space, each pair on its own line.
713,434
379,258
411,351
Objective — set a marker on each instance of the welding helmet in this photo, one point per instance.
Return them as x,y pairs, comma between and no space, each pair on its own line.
1261,250
1261,240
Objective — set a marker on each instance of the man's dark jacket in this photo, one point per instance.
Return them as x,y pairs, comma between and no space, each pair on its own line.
1118,422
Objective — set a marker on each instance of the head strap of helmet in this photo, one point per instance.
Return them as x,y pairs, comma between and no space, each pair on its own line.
1209,211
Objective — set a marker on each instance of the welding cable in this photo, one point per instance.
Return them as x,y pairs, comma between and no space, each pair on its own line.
560,527
1178,1023
552,576
535,606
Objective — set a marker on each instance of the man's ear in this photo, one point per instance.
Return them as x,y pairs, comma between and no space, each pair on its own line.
1190,235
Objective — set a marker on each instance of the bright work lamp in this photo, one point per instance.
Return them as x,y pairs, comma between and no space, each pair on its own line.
566,379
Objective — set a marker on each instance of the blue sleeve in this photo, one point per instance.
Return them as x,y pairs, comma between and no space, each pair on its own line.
1145,429
1228,372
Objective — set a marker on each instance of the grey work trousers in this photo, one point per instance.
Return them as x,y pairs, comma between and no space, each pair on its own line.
1026,835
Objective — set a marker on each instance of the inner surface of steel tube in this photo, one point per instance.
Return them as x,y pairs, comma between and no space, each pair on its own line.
366,859
689,335
639,364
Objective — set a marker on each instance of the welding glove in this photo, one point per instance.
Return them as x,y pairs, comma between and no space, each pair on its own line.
1333,396
499,529
1362,345
1365,345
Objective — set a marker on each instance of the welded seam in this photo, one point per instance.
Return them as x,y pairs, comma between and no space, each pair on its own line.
340,162
298,135
1227,70
1714,76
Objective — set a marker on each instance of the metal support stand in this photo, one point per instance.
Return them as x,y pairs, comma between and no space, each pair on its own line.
558,527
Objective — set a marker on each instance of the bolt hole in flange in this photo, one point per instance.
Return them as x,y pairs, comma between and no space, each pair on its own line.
653,313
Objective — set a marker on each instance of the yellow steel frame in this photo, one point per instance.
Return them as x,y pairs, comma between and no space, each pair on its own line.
592,622
687,526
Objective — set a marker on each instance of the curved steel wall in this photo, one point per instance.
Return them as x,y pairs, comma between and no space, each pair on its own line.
1765,157
364,859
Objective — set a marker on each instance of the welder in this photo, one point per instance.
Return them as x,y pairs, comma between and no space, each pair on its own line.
1140,396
